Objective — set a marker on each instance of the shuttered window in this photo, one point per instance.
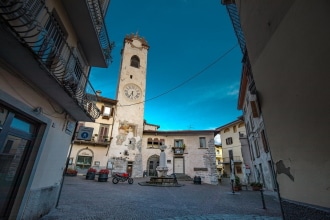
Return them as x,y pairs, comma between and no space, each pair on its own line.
254,108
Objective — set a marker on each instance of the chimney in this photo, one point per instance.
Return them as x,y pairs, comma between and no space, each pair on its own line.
98,92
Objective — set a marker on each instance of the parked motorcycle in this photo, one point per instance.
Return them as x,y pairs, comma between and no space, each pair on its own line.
122,177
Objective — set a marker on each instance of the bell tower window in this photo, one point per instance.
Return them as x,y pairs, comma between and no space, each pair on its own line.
135,61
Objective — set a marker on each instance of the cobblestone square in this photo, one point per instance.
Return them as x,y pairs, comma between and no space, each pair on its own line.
89,199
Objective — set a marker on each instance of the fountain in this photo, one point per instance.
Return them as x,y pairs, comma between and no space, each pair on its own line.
162,179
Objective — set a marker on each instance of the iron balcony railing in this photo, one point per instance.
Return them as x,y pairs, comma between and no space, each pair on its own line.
237,159
38,30
97,14
235,19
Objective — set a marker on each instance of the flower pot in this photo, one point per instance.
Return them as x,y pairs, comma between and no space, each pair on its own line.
90,176
103,177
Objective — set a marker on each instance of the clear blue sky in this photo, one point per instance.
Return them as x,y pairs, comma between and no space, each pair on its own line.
185,37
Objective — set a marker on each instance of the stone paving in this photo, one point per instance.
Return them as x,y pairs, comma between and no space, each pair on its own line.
91,200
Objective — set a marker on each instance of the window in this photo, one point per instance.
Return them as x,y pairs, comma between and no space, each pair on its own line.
178,143
202,142
251,121
149,143
106,112
254,108
156,143
103,133
256,146
264,141
229,141
238,169
135,61
252,154
235,129
226,130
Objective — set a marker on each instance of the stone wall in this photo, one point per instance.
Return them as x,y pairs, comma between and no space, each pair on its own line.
40,202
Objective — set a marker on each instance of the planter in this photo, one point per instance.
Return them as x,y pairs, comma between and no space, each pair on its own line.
103,177
90,176
256,188
237,188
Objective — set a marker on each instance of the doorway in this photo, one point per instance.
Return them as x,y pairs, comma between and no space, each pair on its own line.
178,165
153,163
129,168
17,138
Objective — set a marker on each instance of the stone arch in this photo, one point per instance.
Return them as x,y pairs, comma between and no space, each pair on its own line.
84,158
152,163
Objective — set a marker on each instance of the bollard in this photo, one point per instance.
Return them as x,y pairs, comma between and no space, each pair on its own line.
263,199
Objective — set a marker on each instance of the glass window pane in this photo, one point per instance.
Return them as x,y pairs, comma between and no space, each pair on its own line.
22,126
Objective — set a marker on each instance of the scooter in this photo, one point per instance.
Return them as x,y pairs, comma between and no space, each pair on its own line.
122,177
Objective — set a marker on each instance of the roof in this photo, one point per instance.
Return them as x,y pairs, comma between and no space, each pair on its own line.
179,132
106,100
239,120
131,37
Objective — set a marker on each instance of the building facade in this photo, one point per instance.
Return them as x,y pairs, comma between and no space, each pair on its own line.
259,151
287,49
188,152
94,151
232,148
45,59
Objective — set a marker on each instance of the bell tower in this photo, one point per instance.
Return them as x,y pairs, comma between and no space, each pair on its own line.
125,149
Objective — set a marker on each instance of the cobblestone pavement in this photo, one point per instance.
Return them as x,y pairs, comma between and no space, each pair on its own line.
91,200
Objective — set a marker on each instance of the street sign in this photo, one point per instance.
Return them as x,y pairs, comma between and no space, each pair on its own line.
85,133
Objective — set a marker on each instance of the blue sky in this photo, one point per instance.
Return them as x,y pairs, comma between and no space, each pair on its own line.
185,37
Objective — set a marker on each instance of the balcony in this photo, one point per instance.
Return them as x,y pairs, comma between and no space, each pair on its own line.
87,17
102,141
178,150
236,159
34,47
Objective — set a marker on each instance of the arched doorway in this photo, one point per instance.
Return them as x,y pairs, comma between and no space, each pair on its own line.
152,164
84,159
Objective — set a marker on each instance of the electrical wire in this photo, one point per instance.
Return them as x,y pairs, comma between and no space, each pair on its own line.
187,80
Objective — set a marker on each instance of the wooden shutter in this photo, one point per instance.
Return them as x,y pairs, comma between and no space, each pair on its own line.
254,108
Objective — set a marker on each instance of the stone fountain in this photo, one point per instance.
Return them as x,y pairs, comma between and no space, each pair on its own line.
162,179
162,168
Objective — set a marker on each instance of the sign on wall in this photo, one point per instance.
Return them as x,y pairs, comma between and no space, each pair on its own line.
85,133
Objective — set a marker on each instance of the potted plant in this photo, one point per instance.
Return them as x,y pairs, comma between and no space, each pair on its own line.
71,172
256,186
90,174
238,185
103,175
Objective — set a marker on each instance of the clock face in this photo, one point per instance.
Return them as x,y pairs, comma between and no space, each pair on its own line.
132,91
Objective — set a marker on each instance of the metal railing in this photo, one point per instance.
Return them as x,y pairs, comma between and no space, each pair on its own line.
235,19
235,158
36,28
96,10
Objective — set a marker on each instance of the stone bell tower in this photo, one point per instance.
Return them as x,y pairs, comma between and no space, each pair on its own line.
125,150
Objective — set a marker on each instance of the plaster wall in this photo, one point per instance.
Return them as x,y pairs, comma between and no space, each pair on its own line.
46,175
291,74
235,146
194,156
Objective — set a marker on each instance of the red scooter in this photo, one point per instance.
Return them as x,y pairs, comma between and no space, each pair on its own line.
122,177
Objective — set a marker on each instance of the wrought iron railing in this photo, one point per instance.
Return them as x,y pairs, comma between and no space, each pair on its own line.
36,28
235,158
235,19
97,15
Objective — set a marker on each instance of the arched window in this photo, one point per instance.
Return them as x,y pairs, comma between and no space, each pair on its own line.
135,61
